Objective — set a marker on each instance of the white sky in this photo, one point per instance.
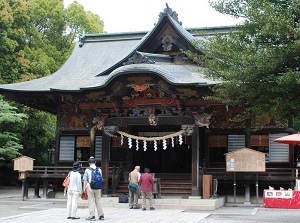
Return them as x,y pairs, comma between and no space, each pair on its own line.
141,15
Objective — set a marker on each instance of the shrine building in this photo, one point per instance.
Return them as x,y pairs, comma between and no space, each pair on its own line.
136,99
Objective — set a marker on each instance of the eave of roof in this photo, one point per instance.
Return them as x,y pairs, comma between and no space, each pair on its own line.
98,58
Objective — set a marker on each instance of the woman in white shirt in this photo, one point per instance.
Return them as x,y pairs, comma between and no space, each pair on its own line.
74,191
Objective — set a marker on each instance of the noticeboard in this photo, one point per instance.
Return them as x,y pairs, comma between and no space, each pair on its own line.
23,163
245,160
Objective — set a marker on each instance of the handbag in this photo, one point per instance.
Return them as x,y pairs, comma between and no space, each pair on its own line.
84,196
66,181
133,186
123,198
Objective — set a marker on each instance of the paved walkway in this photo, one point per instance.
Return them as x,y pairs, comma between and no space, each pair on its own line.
115,215
36,210
54,211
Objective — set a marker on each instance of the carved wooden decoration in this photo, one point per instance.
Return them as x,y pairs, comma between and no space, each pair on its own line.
203,120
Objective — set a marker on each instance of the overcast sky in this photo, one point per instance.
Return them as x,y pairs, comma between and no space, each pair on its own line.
141,15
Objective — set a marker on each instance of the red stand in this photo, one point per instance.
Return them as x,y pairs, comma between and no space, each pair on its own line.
282,199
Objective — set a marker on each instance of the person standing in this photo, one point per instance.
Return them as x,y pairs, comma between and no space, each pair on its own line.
74,191
134,177
94,195
146,183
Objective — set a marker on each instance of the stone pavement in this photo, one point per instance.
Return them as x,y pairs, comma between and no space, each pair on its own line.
54,210
113,215
36,210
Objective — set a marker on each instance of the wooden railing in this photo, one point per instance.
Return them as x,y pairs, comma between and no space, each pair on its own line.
51,172
271,174
56,174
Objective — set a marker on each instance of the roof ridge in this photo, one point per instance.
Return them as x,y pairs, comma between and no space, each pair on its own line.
169,11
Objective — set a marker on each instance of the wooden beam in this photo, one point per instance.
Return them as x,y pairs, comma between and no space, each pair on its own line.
162,120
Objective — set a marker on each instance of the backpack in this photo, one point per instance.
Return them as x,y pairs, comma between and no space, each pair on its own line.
96,180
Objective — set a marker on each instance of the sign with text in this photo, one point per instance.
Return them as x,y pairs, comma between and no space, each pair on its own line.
245,160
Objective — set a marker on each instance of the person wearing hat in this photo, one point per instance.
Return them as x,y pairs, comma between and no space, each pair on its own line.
74,191
94,195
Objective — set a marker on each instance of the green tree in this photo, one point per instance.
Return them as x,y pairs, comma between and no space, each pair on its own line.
258,61
38,136
79,21
9,142
13,22
37,37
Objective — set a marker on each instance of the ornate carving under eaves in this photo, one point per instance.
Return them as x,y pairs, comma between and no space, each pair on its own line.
168,37
169,11
182,59
203,120
110,130
139,58
98,122
152,119
188,128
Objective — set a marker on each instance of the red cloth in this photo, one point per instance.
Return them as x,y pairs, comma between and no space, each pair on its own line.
146,182
282,199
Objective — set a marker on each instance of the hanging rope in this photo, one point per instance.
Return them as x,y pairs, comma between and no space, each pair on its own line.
151,138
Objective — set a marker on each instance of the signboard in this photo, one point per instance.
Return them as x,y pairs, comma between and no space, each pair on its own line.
23,163
245,160
287,194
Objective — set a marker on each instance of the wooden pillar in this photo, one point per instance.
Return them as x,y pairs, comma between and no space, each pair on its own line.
36,188
45,187
195,162
247,193
105,161
26,188
58,124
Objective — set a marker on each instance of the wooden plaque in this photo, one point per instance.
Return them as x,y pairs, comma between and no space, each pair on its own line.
23,163
245,160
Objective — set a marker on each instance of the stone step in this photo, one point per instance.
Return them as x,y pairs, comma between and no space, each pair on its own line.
193,203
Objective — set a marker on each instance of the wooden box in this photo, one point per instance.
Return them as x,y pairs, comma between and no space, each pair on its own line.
207,186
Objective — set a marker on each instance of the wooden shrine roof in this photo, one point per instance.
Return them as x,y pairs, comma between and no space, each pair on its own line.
99,58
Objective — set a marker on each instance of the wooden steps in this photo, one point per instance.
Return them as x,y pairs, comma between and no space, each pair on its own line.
122,187
175,186
170,184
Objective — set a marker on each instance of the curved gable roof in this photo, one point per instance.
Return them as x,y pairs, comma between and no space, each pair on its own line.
97,58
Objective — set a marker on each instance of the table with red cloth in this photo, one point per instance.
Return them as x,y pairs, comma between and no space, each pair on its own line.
282,199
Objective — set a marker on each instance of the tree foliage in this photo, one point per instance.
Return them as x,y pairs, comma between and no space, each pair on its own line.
38,136
9,141
36,38
258,61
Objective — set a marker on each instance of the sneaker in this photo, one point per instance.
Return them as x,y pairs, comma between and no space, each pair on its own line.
91,218
74,218
152,208
144,209
69,217
101,217
130,207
